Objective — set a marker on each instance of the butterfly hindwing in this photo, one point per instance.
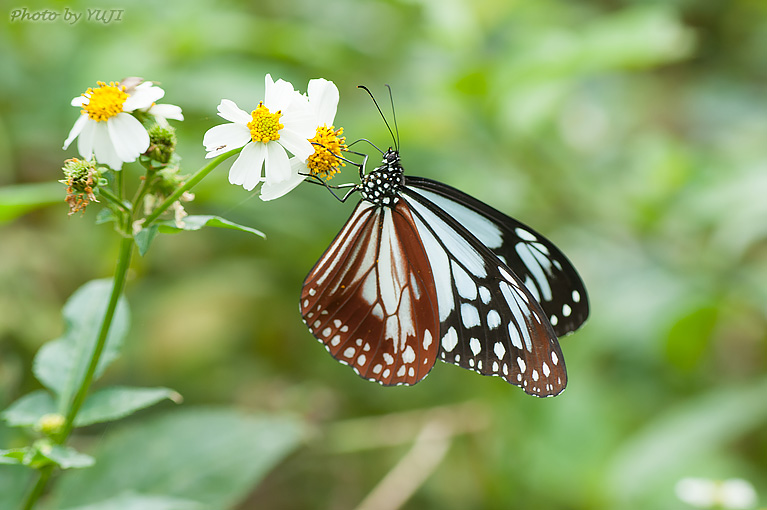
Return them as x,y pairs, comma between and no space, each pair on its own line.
371,298
490,321
539,264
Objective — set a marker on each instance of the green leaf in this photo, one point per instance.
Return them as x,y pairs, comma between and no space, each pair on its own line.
132,501
117,402
105,215
43,453
20,199
144,239
13,456
67,458
212,456
197,222
61,364
28,410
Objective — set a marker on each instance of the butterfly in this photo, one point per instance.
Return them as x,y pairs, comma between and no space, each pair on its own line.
423,272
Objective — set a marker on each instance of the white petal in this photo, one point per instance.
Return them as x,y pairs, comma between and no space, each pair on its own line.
167,111
301,120
298,145
231,112
279,95
223,138
103,147
85,140
79,101
143,97
247,169
128,135
277,164
76,129
323,97
271,191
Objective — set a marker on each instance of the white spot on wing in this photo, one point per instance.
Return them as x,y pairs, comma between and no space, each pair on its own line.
524,234
466,287
533,265
469,316
493,319
475,346
484,295
426,339
450,340
409,355
499,350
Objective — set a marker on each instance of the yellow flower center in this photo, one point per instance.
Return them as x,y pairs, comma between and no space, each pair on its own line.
328,144
105,101
265,126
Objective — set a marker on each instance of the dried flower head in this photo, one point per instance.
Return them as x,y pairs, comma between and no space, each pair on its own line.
81,178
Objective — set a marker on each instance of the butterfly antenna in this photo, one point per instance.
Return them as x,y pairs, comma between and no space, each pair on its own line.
394,117
394,139
366,141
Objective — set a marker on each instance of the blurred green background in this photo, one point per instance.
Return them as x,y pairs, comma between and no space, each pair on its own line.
631,133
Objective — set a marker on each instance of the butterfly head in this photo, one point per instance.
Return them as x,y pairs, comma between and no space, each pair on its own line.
382,185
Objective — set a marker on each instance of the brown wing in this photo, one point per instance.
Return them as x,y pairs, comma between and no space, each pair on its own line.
371,298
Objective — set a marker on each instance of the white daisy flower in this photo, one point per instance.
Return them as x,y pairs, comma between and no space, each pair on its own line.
282,121
106,128
161,112
734,493
328,142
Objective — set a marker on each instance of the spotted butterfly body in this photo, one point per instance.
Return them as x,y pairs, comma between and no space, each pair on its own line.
422,271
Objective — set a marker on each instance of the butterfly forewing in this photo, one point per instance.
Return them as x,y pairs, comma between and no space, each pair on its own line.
371,297
537,262
490,322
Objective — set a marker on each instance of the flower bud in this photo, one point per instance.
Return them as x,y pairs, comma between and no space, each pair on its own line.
162,143
51,424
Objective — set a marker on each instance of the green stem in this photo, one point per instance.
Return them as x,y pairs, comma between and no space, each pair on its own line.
119,179
114,199
197,177
121,271
123,262
37,490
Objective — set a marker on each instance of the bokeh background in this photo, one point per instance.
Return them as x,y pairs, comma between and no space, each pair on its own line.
633,134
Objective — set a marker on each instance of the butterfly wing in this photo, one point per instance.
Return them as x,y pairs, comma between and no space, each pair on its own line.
541,266
371,298
490,322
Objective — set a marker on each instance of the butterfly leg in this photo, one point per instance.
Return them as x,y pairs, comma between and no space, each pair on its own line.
316,180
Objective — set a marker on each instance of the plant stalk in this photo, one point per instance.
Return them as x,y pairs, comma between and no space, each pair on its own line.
121,271
197,177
